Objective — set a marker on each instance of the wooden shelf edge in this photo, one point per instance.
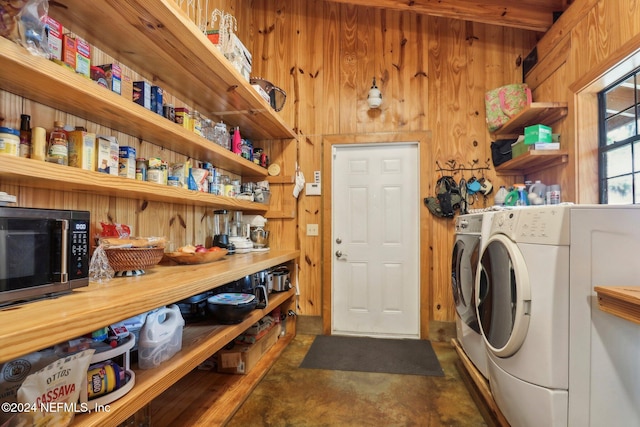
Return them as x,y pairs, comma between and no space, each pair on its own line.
621,301
108,107
38,174
198,347
545,113
533,161
90,308
215,88
490,411
218,404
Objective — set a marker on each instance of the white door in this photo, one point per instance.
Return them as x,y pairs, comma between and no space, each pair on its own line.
376,240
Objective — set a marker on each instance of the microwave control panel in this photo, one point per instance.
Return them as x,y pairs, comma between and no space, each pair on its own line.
78,249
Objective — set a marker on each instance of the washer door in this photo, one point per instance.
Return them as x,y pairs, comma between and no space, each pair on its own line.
504,296
464,266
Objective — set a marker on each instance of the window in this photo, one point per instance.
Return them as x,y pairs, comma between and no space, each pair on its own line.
619,147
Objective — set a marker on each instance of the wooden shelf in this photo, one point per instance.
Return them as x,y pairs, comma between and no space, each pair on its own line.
38,174
51,84
533,161
198,343
208,398
158,35
621,301
545,113
40,324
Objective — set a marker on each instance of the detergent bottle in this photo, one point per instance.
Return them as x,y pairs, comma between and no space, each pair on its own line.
537,193
500,196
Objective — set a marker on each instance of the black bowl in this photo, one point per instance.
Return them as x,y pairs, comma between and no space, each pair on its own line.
231,308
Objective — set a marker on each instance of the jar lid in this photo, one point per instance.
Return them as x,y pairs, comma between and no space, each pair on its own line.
173,178
12,131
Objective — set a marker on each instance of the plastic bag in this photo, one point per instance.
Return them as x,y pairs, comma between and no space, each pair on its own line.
56,386
24,22
99,269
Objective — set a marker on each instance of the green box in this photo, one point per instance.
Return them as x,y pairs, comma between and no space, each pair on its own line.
537,133
518,149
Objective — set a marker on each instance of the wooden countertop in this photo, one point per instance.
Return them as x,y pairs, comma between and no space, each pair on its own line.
621,301
40,324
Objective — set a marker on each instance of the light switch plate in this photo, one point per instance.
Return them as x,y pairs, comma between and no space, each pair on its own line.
312,229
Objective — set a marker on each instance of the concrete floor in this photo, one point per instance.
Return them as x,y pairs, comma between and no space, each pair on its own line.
289,396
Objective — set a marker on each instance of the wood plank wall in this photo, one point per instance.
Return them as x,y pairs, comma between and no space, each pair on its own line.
432,72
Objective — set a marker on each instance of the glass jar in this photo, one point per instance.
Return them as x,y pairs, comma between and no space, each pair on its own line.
221,135
173,181
257,153
10,141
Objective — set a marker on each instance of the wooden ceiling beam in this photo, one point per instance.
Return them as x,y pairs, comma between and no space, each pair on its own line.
528,15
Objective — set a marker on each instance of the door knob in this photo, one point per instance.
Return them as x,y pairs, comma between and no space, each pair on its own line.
338,254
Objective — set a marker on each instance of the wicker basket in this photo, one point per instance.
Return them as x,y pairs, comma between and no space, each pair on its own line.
125,259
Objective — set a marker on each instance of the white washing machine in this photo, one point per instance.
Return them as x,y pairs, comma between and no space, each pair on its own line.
522,305
465,258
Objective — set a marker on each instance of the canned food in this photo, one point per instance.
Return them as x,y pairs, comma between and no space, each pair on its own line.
10,141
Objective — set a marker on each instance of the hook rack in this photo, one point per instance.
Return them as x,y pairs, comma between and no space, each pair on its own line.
453,167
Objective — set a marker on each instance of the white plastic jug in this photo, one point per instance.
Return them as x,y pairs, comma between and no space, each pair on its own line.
538,188
160,337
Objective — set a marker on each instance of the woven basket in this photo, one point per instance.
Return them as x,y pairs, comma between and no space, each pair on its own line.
125,259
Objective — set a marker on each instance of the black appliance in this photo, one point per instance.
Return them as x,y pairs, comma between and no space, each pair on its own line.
43,252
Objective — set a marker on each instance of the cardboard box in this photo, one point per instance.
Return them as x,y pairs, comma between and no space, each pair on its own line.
127,162
107,154
142,94
182,118
83,57
127,87
156,99
537,133
82,150
69,50
519,148
113,76
54,38
243,357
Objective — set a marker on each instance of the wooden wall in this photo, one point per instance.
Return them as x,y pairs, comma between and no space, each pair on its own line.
432,72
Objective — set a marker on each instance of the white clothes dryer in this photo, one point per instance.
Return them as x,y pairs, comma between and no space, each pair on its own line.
465,258
522,305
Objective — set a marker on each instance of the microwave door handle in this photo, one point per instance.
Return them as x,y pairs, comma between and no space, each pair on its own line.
64,273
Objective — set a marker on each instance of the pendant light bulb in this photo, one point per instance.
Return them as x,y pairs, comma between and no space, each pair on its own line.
374,99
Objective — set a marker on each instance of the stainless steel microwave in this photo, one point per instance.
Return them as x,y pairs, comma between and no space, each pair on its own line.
43,252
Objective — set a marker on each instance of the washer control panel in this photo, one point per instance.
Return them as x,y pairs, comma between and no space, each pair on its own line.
544,225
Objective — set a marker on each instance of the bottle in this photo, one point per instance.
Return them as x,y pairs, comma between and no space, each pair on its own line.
500,196
58,151
38,143
236,143
25,135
